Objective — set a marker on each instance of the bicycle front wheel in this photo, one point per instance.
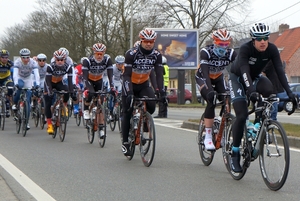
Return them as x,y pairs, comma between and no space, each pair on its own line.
36,113
206,156
274,155
63,118
147,140
90,131
77,119
24,119
102,132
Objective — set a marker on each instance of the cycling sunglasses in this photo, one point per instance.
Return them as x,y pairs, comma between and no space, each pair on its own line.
261,38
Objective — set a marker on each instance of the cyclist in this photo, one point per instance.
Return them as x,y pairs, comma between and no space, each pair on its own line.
79,83
54,79
5,77
42,67
23,68
139,62
209,76
93,68
117,74
246,80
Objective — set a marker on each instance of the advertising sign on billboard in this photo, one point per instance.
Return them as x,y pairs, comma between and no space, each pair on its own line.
179,46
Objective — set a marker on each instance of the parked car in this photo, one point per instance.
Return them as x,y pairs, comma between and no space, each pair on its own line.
199,97
288,105
172,95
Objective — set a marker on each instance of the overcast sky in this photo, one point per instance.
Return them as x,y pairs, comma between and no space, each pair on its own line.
15,11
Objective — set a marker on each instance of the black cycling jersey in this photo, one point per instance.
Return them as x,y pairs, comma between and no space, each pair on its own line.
250,63
55,74
93,70
138,67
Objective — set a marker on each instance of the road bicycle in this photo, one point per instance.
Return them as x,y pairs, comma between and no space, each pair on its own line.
116,114
21,115
97,111
221,128
59,116
37,109
3,92
142,130
269,144
79,116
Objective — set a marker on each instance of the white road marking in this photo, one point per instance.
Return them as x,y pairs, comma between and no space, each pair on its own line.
37,192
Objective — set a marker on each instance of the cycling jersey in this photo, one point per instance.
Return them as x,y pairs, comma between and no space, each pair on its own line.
5,69
251,62
96,69
212,66
55,74
42,72
138,67
23,72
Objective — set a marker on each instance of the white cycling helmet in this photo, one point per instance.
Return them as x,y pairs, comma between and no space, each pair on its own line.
259,30
25,52
164,60
41,56
65,50
120,59
147,34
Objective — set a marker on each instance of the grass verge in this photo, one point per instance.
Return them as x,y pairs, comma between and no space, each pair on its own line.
290,129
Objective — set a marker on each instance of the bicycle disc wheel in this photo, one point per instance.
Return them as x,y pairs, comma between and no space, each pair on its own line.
147,140
274,156
90,131
2,115
62,123
24,119
206,156
244,151
131,140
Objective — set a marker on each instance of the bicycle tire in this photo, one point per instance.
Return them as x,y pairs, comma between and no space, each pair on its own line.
147,140
131,139
206,156
42,117
24,118
70,108
119,118
3,114
112,124
102,139
244,151
36,116
18,120
77,119
54,130
277,135
90,131
63,119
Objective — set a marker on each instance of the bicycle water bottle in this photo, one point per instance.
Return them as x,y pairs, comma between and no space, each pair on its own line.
250,131
94,112
136,118
256,129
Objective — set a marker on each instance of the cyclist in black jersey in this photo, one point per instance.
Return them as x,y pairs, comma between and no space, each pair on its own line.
246,81
140,61
6,77
209,76
54,79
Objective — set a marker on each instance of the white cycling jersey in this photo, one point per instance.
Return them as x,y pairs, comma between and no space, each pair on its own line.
23,72
117,78
42,72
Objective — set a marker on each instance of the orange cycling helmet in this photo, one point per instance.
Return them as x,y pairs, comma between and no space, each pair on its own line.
147,34
99,47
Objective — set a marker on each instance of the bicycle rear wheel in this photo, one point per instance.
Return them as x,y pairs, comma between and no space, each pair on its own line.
36,113
90,131
113,123
3,114
77,119
119,117
24,119
62,123
206,156
274,156
18,120
147,140
42,116
244,150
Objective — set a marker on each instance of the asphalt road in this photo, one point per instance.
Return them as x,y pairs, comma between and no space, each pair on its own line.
76,170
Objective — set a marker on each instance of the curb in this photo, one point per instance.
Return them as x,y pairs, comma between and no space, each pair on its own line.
293,141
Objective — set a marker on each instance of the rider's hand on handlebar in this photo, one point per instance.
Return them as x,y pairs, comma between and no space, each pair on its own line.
295,99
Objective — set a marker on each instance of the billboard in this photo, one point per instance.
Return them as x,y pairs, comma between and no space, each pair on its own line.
179,46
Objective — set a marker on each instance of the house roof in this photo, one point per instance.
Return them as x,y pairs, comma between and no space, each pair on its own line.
288,41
